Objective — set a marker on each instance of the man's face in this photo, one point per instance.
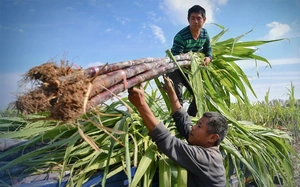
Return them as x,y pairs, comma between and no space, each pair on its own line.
196,21
199,135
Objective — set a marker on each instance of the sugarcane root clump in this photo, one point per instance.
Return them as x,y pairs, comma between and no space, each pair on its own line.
70,104
64,99
35,101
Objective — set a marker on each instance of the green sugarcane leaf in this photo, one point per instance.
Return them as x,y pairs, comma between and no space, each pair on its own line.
32,154
216,38
242,75
164,172
145,162
182,176
163,93
112,146
255,43
25,133
197,82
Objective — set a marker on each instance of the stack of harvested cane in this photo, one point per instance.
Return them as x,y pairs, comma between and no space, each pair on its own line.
68,93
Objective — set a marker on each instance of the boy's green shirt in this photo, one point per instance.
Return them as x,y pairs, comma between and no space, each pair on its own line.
184,42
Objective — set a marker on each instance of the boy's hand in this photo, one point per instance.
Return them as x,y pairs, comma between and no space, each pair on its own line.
206,61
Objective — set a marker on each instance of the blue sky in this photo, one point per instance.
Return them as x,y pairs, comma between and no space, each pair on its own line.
90,32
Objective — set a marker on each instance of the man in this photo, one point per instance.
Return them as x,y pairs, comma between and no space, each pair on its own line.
191,38
201,157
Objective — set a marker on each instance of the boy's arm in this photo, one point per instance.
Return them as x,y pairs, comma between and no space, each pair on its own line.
207,49
178,45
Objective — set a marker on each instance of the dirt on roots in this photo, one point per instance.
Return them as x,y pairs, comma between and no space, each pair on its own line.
53,91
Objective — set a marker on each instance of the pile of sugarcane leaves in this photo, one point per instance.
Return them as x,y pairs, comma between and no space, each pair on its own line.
68,93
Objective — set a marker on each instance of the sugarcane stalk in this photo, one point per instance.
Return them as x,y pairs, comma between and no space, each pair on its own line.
109,79
120,87
92,71
103,69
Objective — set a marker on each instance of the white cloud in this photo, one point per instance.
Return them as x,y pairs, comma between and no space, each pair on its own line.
153,16
20,30
108,30
178,9
280,76
285,61
277,90
278,30
295,29
142,29
137,4
275,79
250,64
94,64
69,8
159,33
222,2
122,20
295,23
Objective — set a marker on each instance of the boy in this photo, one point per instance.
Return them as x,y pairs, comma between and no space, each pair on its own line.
191,38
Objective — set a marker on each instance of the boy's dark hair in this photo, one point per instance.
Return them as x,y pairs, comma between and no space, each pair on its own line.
217,124
196,9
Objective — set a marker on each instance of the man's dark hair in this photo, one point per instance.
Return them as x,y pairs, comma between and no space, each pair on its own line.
196,9
217,124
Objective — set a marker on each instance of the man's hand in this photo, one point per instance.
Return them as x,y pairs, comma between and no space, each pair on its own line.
137,96
168,85
206,61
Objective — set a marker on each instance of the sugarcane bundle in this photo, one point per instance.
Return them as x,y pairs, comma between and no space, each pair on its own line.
67,93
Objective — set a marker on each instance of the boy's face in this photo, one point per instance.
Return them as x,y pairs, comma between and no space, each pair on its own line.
196,21
199,134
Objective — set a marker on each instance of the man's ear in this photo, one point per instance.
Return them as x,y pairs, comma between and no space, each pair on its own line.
213,138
